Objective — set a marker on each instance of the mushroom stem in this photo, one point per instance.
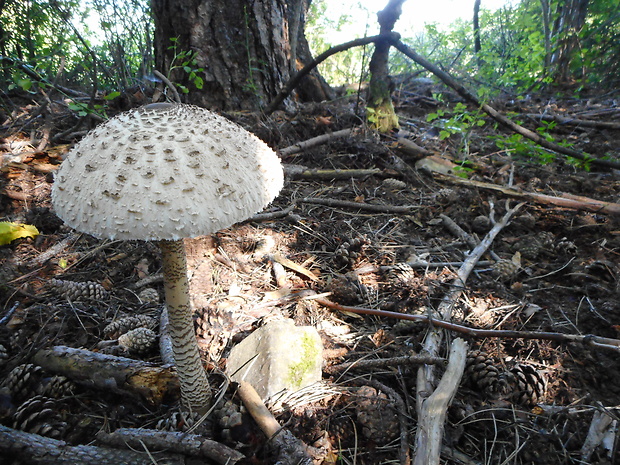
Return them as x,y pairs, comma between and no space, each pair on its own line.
195,390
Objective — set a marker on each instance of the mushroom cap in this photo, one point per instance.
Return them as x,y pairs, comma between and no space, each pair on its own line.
165,172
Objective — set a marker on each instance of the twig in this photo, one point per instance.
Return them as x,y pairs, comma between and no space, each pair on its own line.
414,359
170,85
318,140
599,428
565,200
361,206
588,339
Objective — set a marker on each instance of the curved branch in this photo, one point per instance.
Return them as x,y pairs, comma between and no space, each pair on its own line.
295,80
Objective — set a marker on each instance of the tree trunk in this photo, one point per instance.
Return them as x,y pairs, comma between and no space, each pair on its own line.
242,50
476,25
381,114
570,18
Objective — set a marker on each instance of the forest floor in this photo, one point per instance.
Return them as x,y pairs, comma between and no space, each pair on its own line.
521,400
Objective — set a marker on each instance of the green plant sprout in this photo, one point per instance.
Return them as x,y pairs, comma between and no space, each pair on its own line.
185,60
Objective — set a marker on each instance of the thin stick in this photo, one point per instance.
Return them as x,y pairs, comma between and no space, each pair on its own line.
318,140
587,339
170,85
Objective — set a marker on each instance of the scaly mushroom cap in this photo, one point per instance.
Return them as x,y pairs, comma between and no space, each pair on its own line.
164,172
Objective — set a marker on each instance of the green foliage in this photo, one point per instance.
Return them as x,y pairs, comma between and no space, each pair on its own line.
186,60
458,121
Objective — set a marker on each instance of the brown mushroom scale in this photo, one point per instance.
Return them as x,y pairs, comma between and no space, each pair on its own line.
166,172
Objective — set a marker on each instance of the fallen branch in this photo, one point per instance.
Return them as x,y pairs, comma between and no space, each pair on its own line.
496,115
118,374
301,172
365,365
432,342
565,200
585,123
406,209
588,339
180,443
290,450
432,417
34,449
318,140
295,80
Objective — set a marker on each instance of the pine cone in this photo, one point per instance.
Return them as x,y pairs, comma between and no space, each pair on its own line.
347,254
76,291
401,280
56,387
565,247
39,415
394,184
4,354
149,295
481,372
528,384
23,381
504,270
139,340
377,415
115,329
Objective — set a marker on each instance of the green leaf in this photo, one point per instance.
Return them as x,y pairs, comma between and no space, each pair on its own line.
112,95
199,82
11,231
25,84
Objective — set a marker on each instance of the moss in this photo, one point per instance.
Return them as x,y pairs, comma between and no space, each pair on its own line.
298,371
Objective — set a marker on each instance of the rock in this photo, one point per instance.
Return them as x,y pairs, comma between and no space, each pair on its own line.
278,356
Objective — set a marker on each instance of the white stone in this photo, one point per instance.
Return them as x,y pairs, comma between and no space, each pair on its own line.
276,357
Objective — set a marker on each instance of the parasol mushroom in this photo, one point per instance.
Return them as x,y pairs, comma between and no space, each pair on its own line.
162,173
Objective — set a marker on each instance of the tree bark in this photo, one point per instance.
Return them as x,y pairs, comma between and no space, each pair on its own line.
476,26
381,114
570,18
243,49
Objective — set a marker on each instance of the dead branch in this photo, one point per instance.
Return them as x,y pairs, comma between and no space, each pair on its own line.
414,359
432,342
567,121
599,427
588,339
492,112
170,85
290,450
301,172
34,449
318,140
432,417
566,200
117,374
180,443
295,80
406,209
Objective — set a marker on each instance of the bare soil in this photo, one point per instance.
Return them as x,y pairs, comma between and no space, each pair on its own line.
565,280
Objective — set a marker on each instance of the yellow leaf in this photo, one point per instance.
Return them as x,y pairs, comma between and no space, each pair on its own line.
63,263
11,231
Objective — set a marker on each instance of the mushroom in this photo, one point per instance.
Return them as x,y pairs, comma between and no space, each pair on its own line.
162,173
